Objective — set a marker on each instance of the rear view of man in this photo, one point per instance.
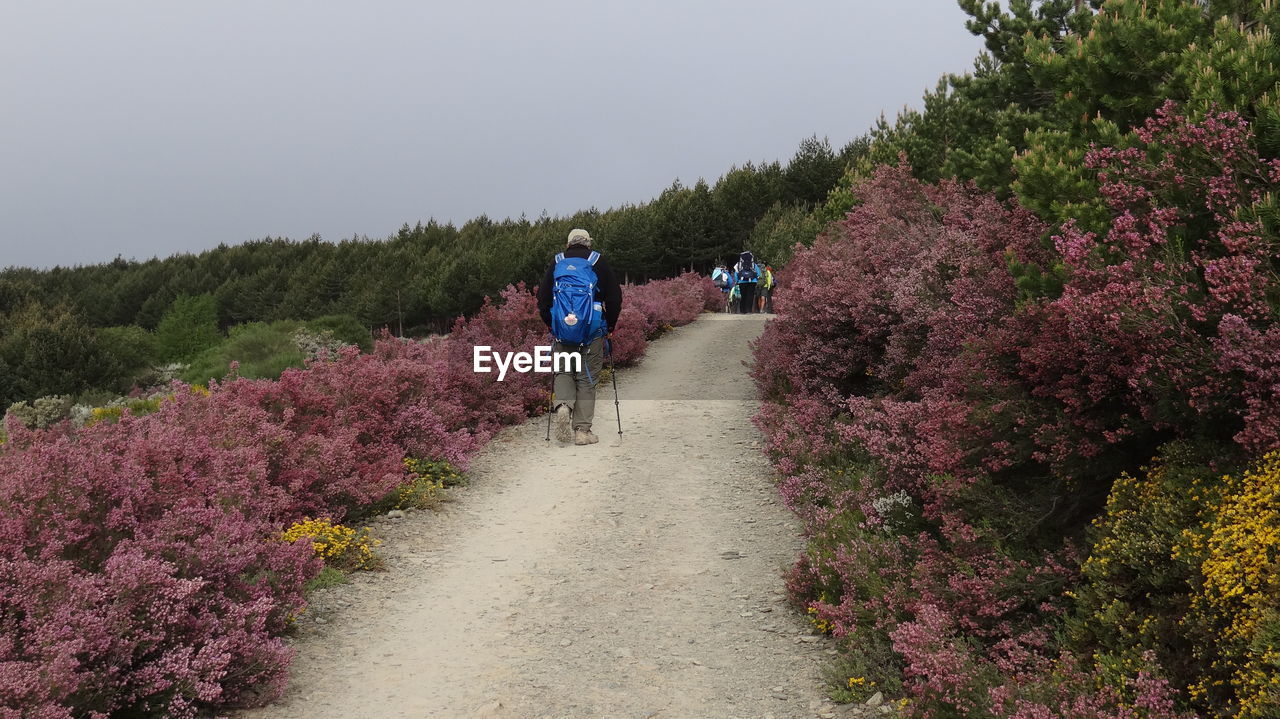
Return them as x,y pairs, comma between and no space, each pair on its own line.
747,273
579,300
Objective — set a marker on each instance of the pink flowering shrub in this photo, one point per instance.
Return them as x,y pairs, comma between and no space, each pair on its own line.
712,297
136,571
672,302
949,399
648,309
628,337
1166,323
141,569
891,294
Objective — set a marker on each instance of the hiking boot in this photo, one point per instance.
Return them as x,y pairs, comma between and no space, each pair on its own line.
584,436
564,431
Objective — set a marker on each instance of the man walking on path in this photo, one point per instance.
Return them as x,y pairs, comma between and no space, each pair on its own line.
579,300
747,273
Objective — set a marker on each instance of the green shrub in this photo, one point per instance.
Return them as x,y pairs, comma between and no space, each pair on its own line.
263,351
345,328
866,665
328,577
189,328
130,350
423,487
1135,591
114,410
42,412
50,351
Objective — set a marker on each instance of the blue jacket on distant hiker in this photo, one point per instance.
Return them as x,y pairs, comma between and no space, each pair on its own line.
579,301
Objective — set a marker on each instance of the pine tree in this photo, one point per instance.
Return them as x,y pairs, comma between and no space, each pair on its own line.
189,327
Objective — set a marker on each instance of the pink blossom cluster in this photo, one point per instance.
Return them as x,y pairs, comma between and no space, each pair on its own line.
1167,322
933,406
140,566
952,680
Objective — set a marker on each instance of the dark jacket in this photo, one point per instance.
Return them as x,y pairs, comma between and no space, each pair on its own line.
608,290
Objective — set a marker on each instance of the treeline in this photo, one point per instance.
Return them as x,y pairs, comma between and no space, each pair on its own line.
72,329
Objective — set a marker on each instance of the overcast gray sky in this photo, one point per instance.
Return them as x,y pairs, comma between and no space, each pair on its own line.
143,128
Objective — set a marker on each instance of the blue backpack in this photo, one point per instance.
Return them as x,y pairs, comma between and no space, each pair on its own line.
576,317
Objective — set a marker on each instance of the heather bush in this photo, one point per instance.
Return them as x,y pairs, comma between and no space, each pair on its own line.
1166,323
889,296
628,341
673,302
142,571
712,297
872,352
949,400
133,579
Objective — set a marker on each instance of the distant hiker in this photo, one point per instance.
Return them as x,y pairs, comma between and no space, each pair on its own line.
579,299
771,282
747,274
763,287
723,279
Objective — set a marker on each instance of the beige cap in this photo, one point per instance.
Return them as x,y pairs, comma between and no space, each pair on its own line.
579,237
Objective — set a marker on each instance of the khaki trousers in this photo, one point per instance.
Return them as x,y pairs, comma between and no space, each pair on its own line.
578,389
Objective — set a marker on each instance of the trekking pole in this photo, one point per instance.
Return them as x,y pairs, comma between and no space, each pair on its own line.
613,373
551,404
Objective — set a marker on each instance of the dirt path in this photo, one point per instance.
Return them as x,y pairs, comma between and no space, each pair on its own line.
639,577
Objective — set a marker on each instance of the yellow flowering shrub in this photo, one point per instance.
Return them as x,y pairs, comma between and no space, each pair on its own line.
1240,595
1135,580
105,414
114,411
427,478
337,545
822,625
1185,565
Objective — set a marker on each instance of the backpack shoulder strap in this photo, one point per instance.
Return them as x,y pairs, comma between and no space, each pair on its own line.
593,257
